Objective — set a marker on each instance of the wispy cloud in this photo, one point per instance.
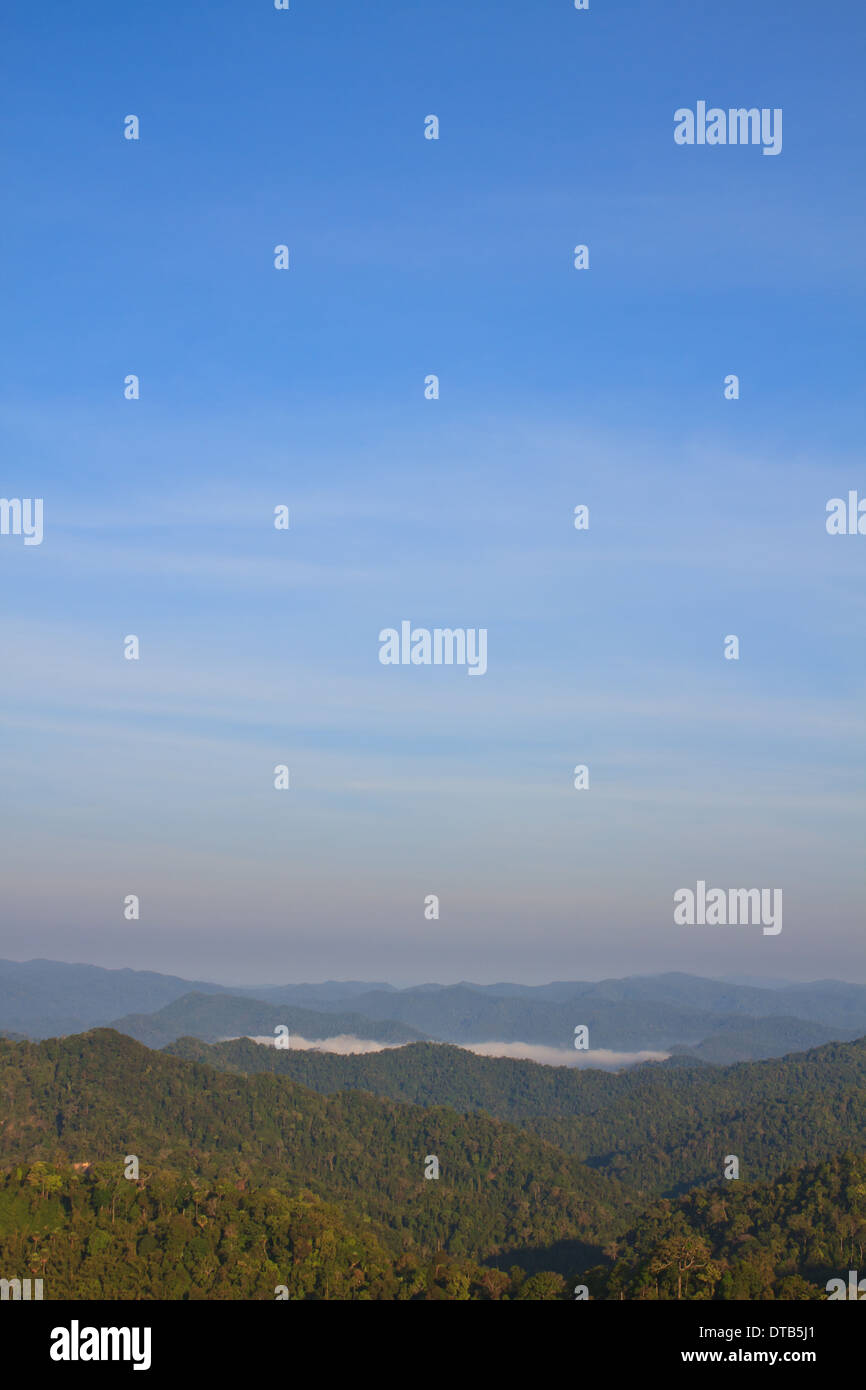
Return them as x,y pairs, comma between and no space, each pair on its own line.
345,1045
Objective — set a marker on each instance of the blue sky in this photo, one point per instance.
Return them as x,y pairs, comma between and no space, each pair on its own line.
305,387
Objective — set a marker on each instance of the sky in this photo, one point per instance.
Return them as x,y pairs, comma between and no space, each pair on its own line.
558,387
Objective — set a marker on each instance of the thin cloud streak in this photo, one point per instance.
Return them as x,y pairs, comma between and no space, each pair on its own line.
603,1059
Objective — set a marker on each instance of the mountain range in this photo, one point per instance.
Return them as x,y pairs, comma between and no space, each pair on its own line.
258,1169
716,1021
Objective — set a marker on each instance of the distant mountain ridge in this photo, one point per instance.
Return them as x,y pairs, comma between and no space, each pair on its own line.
717,1021
45,998
215,1016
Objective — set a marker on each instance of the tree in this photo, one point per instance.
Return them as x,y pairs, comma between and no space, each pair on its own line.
546,1285
681,1252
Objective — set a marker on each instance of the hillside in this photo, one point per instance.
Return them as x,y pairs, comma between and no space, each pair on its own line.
659,1129
744,1039
97,1236
502,1191
755,1241
215,1016
250,1182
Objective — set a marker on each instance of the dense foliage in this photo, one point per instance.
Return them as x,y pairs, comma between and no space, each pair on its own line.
100,1096
659,1129
781,1240
98,1236
249,1181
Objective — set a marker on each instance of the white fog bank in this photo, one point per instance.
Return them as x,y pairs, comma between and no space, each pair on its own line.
601,1058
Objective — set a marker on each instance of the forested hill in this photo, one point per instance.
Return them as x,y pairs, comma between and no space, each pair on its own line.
250,1181
100,1096
96,1236
784,1240
660,1129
